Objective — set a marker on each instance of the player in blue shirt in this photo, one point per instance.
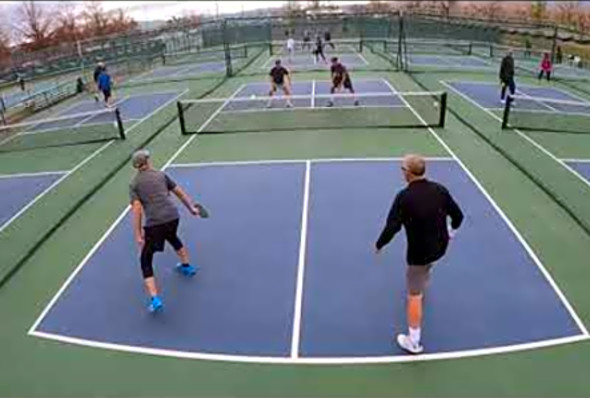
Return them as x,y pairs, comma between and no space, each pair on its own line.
104,85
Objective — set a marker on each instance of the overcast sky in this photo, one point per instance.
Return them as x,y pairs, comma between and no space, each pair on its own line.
163,10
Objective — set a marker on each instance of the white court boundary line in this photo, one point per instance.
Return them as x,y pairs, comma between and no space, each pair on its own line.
294,358
33,174
81,164
520,133
512,227
576,160
296,331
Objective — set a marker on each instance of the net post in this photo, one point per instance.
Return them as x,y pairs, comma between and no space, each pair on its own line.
443,109
120,124
506,111
181,118
227,50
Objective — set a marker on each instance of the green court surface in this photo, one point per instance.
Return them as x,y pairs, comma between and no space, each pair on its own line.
547,203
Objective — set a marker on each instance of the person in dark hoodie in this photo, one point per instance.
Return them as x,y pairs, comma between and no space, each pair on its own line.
507,75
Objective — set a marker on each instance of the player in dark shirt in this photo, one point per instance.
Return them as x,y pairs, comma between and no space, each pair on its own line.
279,79
422,208
340,80
318,50
507,75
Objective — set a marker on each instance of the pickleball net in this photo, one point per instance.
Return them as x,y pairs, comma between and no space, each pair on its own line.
313,112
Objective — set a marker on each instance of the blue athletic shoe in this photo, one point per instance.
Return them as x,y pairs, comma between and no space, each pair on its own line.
187,270
156,304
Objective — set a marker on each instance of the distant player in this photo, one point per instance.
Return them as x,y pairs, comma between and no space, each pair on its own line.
318,50
105,86
545,67
97,71
21,82
340,80
279,79
290,48
507,75
328,39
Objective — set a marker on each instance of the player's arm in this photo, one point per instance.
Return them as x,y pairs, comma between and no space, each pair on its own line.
454,211
185,199
137,211
392,226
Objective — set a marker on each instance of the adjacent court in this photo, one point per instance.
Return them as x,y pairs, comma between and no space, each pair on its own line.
82,120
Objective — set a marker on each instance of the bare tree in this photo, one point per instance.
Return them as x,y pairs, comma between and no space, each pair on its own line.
34,24
567,12
447,8
95,18
538,11
120,22
67,26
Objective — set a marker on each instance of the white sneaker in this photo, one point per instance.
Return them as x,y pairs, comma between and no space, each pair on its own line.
289,105
407,344
502,100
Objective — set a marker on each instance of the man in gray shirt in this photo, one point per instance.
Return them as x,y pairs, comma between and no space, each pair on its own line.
150,195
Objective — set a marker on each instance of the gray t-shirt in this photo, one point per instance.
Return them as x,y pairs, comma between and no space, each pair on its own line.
152,188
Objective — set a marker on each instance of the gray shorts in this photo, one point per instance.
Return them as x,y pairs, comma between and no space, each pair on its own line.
417,277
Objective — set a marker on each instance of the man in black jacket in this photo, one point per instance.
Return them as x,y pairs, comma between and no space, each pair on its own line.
507,75
422,208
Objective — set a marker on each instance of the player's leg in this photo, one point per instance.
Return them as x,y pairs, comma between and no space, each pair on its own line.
273,89
336,88
323,56
548,75
348,86
503,91
417,277
540,74
146,260
184,266
512,86
287,91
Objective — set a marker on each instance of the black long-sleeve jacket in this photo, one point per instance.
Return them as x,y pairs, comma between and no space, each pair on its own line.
422,209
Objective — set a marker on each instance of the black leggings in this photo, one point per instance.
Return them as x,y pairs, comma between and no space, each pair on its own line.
155,237
548,74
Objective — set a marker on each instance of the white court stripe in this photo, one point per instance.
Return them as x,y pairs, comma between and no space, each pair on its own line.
311,360
296,332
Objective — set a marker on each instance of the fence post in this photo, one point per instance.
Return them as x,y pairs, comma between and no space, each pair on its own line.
554,43
226,49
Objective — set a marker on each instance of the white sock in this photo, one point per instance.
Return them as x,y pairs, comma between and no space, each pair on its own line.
415,335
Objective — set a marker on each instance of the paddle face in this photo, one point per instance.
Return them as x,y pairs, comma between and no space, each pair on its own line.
203,213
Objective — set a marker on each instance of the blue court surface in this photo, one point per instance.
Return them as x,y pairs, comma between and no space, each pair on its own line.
18,190
450,61
181,71
374,94
543,99
582,166
288,271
